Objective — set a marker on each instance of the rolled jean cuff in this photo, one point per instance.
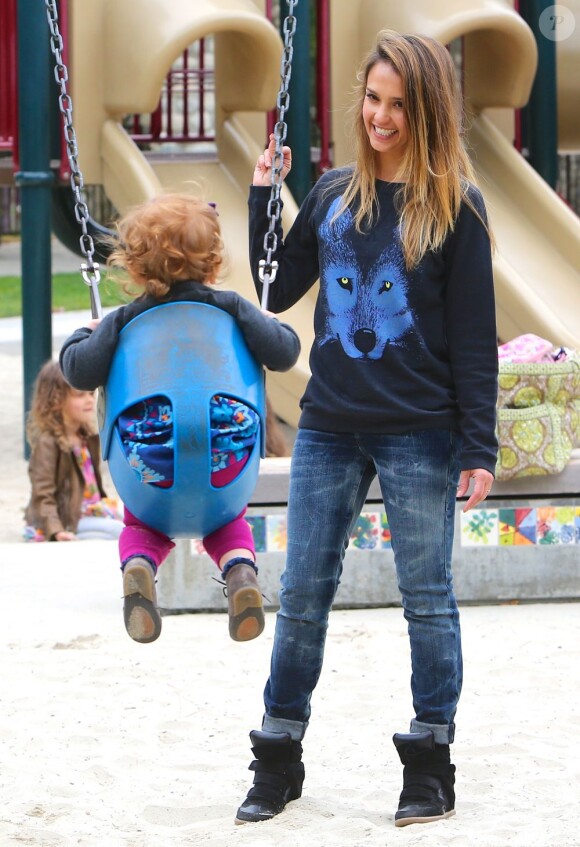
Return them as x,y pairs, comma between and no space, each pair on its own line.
442,733
296,729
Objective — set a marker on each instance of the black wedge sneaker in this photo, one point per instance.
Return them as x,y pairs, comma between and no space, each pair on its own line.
428,779
278,776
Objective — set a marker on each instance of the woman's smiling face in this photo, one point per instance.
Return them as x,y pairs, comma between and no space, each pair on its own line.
384,118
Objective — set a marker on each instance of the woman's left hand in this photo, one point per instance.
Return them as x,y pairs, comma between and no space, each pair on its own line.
263,169
483,480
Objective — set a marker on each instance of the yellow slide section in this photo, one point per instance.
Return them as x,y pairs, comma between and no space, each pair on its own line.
537,266
134,43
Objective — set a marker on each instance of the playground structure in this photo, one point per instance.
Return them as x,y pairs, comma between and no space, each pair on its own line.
120,54
537,266
243,38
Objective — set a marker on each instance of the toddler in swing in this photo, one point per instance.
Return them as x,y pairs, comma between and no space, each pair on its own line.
171,249
67,501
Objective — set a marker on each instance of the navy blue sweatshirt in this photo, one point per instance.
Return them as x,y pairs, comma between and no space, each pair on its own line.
394,350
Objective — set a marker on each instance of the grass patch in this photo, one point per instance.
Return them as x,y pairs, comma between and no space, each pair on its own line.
69,294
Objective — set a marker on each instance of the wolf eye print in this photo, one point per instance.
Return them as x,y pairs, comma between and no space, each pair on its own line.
345,282
386,286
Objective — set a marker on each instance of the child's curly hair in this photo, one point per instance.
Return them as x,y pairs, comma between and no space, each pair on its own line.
46,410
172,238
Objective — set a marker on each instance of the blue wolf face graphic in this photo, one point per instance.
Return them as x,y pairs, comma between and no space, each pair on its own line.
366,299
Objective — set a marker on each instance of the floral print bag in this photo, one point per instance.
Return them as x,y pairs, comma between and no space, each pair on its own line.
538,416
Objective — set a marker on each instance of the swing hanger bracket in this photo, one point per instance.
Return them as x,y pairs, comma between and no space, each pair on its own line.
91,273
267,270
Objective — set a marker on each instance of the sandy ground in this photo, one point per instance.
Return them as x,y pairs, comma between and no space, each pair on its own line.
108,742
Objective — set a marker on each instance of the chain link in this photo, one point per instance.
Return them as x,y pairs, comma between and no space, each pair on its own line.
268,268
89,270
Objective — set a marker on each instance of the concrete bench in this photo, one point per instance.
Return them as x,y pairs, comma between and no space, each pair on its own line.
501,565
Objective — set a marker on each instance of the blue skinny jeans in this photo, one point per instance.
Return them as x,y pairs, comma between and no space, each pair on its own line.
331,473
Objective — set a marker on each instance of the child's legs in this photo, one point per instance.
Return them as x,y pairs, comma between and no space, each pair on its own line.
138,539
232,549
91,527
230,541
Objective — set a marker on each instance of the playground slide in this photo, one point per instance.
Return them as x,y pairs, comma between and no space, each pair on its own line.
537,264
538,238
131,178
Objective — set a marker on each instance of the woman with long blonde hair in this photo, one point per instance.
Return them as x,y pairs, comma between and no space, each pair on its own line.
403,387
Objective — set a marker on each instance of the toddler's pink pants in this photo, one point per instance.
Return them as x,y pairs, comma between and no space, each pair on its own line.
138,539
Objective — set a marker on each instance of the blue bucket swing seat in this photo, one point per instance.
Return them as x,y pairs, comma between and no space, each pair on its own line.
187,352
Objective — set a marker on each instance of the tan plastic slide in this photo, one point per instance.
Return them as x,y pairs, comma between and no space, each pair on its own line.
537,264
538,238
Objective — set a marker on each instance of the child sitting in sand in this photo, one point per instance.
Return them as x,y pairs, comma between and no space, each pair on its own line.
68,501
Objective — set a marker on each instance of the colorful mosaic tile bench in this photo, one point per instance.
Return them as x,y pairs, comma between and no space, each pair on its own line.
521,545
487,527
521,526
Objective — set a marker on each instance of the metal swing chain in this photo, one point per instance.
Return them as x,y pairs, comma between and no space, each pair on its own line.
267,268
89,270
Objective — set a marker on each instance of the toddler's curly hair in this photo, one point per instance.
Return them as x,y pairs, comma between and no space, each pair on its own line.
172,238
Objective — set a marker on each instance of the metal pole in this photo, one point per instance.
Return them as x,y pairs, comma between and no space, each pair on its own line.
323,83
540,116
35,179
300,177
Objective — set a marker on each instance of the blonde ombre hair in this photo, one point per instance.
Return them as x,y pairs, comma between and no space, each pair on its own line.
436,171
169,239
